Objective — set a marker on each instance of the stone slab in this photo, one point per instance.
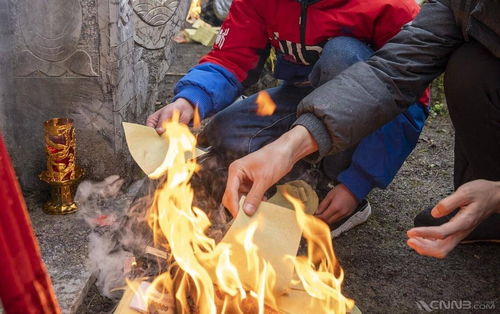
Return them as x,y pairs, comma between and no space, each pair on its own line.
63,241
98,62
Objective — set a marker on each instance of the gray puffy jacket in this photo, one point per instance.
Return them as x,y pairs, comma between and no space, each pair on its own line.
369,94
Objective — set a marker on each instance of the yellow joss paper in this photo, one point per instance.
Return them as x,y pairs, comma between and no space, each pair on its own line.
147,147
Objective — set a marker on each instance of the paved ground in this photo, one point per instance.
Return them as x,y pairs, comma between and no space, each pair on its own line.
63,242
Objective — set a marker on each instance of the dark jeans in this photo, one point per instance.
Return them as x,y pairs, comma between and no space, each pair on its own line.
238,131
472,85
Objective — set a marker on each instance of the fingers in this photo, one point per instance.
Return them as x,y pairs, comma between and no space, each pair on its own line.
165,115
426,232
338,204
439,241
435,248
185,117
461,222
428,247
254,197
325,203
231,196
332,213
152,120
449,204
156,119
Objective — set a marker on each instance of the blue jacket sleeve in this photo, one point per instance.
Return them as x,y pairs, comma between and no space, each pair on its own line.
378,157
209,86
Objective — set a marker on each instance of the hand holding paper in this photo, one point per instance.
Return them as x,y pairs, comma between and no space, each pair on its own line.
147,147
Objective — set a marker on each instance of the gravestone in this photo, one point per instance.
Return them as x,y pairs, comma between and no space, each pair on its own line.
97,62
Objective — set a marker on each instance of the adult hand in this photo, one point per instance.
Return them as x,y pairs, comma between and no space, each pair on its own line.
258,171
476,201
181,105
338,203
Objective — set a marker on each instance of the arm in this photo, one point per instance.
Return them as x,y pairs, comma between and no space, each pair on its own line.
369,94
380,155
393,142
257,172
235,61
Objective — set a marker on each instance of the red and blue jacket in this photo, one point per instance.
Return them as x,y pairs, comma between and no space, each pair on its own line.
297,29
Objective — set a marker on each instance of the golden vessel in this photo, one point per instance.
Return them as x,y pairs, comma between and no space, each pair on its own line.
62,173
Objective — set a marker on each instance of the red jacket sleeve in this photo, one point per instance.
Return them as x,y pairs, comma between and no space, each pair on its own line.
242,45
391,18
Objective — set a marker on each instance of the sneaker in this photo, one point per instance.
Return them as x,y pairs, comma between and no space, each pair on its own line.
359,216
486,231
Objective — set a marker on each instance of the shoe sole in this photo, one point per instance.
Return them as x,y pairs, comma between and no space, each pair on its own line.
355,220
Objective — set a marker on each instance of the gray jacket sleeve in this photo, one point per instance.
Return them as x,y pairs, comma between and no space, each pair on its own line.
369,94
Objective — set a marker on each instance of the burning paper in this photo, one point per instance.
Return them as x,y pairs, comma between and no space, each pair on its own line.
148,148
274,219
254,269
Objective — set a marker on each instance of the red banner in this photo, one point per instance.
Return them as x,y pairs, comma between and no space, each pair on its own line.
25,286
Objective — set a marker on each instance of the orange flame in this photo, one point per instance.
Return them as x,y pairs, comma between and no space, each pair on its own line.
196,118
202,274
265,104
319,272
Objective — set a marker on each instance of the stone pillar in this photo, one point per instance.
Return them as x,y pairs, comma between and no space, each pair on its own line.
98,62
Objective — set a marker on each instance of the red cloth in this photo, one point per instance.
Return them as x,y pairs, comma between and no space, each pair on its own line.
25,286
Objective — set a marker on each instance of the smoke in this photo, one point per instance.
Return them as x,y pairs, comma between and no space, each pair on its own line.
120,234
117,216
117,219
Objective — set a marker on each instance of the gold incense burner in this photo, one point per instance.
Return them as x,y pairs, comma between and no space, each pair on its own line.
62,173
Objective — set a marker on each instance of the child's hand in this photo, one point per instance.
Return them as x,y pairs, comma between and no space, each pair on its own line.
184,108
339,203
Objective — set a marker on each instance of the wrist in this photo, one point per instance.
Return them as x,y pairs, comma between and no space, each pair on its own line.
298,143
184,102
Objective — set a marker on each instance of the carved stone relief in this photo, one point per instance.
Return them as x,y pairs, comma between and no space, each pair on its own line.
51,31
151,21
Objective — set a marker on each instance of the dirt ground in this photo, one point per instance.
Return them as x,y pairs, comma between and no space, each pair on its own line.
382,274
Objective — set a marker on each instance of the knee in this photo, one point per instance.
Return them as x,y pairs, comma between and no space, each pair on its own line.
222,132
474,62
338,54
471,84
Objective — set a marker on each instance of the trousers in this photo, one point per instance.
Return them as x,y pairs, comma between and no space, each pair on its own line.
373,162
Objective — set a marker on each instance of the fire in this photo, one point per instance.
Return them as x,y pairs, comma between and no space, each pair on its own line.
202,277
196,118
265,104
194,11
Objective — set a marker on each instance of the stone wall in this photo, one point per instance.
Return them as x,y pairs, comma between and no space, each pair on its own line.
98,62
